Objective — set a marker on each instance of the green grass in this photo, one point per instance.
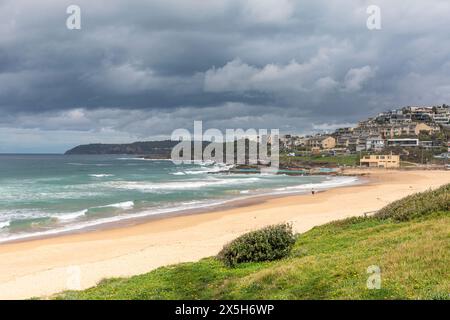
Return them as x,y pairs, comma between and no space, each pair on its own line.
417,205
339,160
327,262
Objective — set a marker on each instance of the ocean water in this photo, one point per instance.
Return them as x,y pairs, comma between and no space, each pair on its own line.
49,194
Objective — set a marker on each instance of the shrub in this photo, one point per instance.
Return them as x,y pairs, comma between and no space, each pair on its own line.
417,205
267,244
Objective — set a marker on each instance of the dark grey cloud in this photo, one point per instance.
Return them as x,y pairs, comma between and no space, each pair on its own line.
139,69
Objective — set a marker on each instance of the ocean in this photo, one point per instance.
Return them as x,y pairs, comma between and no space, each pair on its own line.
49,194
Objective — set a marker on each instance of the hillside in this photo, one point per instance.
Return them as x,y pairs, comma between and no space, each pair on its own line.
162,148
409,240
151,149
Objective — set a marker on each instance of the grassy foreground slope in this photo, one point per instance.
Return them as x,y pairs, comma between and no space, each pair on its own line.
327,262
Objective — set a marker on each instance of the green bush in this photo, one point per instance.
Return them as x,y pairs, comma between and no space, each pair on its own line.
417,205
270,243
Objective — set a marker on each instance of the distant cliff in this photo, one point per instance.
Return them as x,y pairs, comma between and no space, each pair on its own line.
148,149
161,149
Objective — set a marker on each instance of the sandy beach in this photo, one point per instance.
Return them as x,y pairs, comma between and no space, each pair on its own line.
46,266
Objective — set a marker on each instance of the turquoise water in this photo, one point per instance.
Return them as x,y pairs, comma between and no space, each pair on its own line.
47,194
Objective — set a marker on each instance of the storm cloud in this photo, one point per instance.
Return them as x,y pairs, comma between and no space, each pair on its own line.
139,69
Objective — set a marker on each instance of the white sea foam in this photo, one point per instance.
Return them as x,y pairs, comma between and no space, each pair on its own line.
122,205
178,185
71,216
19,214
126,205
101,175
33,214
88,224
196,171
25,214
329,183
188,203
204,168
69,221
201,162
4,224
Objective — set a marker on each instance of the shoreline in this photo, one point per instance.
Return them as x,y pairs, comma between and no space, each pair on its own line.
147,216
42,267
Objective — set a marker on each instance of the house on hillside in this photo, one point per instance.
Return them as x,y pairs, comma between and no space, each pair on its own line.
322,142
375,143
406,142
426,128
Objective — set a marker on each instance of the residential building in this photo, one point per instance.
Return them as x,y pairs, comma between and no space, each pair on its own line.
392,131
381,161
285,141
360,147
343,140
400,119
344,131
399,127
375,143
427,128
406,142
301,141
323,142
436,144
412,129
441,118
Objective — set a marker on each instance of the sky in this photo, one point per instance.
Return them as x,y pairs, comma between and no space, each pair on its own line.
137,70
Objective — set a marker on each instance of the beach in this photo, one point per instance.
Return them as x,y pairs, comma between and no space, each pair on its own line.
41,267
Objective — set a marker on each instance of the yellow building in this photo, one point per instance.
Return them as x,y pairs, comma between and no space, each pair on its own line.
381,161
323,142
408,129
422,127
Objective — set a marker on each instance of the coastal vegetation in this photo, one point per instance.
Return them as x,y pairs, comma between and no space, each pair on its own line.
267,244
408,240
417,205
160,148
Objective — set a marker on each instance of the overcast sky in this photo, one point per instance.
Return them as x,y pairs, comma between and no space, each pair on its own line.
139,69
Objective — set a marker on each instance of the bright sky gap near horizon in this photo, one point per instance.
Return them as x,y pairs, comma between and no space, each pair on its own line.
139,69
